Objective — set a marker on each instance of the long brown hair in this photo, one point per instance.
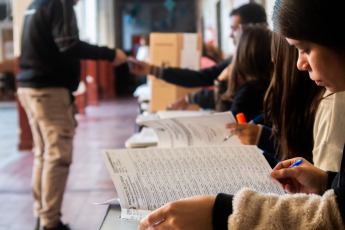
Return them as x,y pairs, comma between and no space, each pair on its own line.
252,60
291,102
213,52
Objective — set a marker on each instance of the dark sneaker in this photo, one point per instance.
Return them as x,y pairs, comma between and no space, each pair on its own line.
37,226
61,226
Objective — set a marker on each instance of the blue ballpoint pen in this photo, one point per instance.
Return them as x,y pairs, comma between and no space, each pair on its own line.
296,163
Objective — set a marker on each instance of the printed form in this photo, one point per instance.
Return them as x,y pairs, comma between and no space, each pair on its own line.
194,131
146,179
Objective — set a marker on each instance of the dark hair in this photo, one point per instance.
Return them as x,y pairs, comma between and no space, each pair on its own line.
251,61
146,38
213,52
291,103
250,13
317,21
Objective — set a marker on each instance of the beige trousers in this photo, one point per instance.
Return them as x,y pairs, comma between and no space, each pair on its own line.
51,117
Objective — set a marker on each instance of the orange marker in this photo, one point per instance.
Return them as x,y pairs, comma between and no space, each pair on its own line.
240,118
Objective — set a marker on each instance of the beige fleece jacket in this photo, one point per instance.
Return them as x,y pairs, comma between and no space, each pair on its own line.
252,210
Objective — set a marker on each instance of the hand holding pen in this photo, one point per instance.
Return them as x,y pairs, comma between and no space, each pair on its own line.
248,133
297,175
240,120
296,163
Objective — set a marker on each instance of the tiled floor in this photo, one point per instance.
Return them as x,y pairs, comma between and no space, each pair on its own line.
105,126
8,133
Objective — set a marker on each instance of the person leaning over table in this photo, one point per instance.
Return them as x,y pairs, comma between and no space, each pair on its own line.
245,14
211,55
320,124
250,73
318,199
301,98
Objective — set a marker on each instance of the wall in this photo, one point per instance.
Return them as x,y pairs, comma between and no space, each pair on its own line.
183,19
4,9
209,11
95,22
269,11
209,16
106,24
198,15
19,7
87,17
227,43
237,3
86,12
5,43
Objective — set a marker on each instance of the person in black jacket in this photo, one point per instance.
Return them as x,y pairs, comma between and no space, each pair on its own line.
248,13
49,73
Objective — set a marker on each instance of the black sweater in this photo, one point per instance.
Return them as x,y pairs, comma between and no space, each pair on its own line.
51,48
191,78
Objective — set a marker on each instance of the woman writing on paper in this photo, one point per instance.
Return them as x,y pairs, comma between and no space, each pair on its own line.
309,111
301,98
312,26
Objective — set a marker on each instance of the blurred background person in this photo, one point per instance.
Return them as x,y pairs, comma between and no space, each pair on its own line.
205,97
248,13
49,73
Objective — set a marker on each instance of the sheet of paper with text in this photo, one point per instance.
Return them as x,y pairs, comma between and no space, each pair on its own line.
146,179
194,130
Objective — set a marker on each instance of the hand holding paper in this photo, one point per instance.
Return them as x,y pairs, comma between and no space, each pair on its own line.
193,131
146,179
120,57
189,213
138,67
248,133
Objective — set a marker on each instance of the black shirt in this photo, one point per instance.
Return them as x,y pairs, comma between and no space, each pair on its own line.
191,78
51,49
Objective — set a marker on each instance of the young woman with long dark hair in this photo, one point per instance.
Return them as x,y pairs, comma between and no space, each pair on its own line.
314,28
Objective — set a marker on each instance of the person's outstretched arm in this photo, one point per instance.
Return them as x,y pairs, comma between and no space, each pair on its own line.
66,37
203,98
179,76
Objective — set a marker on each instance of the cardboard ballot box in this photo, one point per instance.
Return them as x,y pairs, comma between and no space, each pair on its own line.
181,50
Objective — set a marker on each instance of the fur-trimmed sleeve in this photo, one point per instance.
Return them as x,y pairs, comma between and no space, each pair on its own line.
252,210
